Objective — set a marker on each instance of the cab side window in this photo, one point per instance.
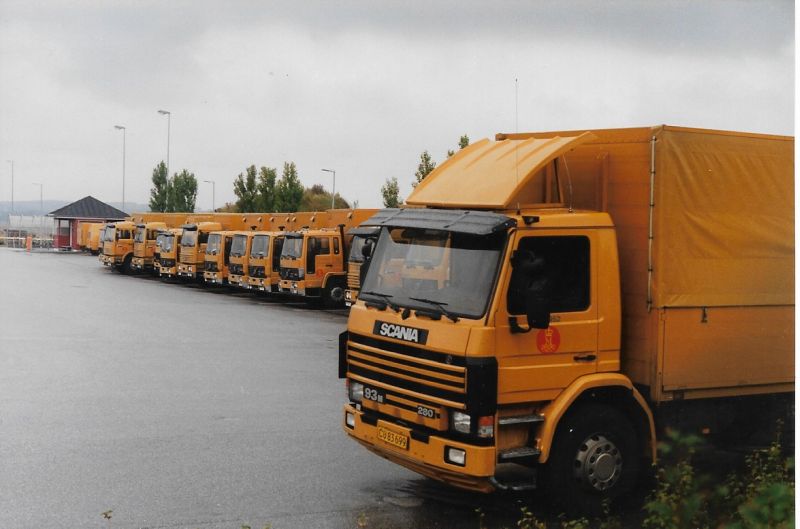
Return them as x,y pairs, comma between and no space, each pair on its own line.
553,268
324,245
336,245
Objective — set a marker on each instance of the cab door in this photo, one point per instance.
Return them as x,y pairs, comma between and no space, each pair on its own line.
561,269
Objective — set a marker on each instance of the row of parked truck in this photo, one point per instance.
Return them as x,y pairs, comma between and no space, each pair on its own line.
314,255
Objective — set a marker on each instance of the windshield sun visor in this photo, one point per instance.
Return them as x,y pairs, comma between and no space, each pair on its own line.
452,220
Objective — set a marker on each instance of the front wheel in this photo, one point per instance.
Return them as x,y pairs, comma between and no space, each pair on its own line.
595,459
333,294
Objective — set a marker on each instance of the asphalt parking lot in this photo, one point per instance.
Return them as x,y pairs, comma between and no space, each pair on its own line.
178,406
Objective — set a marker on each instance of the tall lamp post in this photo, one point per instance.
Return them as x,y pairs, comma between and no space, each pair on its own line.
41,210
120,127
213,193
169,120
333,193
12,185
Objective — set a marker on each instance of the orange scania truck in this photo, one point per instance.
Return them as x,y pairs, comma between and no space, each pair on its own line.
557,299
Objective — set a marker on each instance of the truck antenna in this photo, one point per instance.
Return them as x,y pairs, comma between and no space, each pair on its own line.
569,182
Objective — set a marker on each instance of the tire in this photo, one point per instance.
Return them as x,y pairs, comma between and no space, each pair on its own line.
333,294
595,459
127,268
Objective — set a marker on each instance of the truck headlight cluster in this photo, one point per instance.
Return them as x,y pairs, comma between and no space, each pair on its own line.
460,422
355,391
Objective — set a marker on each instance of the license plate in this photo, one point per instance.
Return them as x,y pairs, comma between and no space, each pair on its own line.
393,438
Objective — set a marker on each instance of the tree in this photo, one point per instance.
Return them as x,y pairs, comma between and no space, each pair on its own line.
265,189
244,187
183,192
289,190
160,189
426,165
317,198
391,193
462,142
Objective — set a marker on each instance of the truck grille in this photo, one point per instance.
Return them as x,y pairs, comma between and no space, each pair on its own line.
211,266
289,273
256,271
353,276
168,263
408,372
236,269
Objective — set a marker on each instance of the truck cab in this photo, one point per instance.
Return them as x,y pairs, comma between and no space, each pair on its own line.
218,252
361,246
313,265
193,248
118,245
144,244
265,261
238,272
170,253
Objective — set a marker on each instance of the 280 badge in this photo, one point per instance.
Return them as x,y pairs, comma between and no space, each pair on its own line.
426,412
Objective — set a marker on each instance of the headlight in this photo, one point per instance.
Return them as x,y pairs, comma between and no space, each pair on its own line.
301,273
356,391
460,422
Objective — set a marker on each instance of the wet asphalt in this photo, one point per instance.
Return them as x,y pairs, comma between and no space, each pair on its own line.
173,406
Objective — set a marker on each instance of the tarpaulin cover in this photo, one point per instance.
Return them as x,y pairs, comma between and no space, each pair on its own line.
724,219
490,174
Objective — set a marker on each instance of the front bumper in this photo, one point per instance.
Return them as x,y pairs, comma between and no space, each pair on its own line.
140,263
214,278
426,457
167,271
238,281
187,270
295,288
260,283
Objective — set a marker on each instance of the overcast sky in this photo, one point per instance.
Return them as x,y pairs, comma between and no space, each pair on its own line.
361,87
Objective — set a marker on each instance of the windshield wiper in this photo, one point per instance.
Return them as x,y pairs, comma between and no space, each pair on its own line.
440,304
386,298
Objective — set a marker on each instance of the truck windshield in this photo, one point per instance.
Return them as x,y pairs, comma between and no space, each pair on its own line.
169,240
213,244
239,245
453,270
357,249
139,237
292,248
189,238
160,240
109,235
259,246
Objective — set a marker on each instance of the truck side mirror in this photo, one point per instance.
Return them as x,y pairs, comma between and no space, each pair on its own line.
535,293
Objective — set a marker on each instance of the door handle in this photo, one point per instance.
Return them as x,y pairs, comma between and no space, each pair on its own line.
584,358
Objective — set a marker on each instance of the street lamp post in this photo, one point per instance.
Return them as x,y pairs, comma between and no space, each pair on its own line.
12,185
169,120
41,211
120,127
333,193
213,193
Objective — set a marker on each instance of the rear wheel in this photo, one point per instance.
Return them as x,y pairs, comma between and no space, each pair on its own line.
595,459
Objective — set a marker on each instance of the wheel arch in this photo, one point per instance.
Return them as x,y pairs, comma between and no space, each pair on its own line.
612,389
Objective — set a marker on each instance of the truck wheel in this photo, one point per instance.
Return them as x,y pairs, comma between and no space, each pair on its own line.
595,459
127,268
333,294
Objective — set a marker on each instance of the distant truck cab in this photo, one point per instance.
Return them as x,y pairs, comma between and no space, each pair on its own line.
144,245
170,253
217,258
193,248
239,259
361,246
118,246
265,261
